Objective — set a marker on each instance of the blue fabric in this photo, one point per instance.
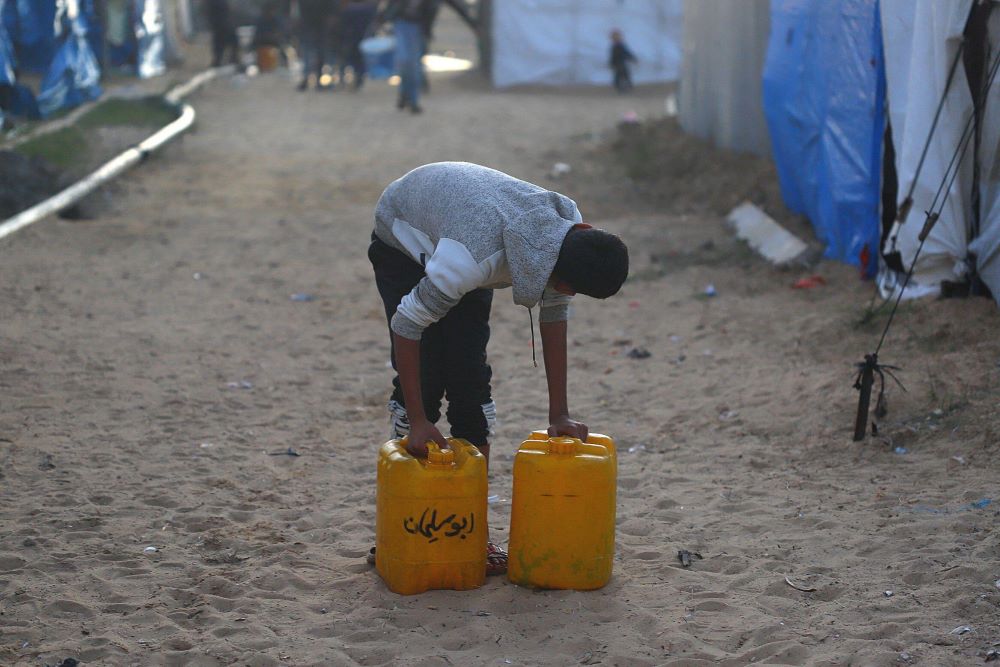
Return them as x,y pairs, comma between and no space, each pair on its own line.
74,75
23,103
824,99
95,30
31,28
7,61
409,49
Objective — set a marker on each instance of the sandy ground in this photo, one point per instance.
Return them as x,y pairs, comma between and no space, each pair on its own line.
151,360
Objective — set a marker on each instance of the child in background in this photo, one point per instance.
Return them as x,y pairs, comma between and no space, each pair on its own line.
619,61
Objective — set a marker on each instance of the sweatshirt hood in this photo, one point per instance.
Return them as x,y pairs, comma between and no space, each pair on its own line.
532,242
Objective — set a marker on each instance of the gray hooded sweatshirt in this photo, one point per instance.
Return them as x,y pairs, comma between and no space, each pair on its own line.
470,227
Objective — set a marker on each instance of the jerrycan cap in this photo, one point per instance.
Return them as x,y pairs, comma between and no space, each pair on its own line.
440,458
562,445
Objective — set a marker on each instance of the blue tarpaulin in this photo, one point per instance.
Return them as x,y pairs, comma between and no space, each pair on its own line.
73,77
30,24
6,53
824,93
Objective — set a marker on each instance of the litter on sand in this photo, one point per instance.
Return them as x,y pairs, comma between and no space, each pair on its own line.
961,630
809,282
686,557
287,452
799,587
560,169
639,353
982,503
302,297
765,236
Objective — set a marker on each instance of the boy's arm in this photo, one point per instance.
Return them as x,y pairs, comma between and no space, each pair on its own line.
554,354
408,368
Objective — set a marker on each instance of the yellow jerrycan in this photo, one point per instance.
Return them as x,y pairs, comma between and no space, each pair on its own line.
562,521
592,439
430,518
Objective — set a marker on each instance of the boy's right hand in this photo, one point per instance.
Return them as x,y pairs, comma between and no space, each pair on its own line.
420,434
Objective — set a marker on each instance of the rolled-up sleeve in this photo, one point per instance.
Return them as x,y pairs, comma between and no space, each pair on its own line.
419,309
554,306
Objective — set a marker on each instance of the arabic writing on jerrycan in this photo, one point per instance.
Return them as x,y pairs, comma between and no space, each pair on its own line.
562,522
430,518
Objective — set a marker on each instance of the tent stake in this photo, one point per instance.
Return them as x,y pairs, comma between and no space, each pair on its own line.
864,382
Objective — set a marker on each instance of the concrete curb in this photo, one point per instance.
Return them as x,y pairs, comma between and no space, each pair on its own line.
123,162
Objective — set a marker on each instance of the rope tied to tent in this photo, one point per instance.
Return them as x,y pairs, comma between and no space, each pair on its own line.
904,208
870,367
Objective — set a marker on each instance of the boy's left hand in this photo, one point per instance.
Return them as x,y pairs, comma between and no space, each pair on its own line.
569,427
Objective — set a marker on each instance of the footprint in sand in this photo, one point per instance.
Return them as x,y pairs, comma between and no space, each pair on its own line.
68,609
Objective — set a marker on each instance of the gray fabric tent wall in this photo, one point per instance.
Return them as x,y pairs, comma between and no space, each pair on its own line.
725,42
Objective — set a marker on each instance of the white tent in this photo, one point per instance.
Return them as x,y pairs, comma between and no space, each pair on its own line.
921,39
561,42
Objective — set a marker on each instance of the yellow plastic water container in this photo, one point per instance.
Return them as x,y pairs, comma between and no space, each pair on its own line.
430,518
562,522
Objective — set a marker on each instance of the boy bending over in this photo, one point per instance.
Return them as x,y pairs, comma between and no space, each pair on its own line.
448,234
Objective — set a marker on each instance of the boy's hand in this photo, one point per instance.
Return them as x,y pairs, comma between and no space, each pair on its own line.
420,434
569,427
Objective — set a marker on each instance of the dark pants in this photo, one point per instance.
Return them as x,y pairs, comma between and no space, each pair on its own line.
314,42
224,39
623,79
353,58
452,351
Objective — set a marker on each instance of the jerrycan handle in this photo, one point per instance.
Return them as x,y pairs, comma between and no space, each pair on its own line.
439,458
563,445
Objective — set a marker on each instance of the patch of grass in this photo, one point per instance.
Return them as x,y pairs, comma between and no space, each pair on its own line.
66,148
873,317
149,111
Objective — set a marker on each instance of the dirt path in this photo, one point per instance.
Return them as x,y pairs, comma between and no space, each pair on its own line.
152,360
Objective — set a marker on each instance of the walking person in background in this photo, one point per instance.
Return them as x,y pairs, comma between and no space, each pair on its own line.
355,19
313,18
408,19
427,26
220,21
619,61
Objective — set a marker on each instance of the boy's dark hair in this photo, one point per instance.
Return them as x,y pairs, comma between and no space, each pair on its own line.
592,262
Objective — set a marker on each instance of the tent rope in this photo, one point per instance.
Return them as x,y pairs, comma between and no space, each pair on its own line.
907,204
870,366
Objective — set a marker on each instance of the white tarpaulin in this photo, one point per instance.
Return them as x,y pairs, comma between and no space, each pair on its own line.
560,42
725,42
921,39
